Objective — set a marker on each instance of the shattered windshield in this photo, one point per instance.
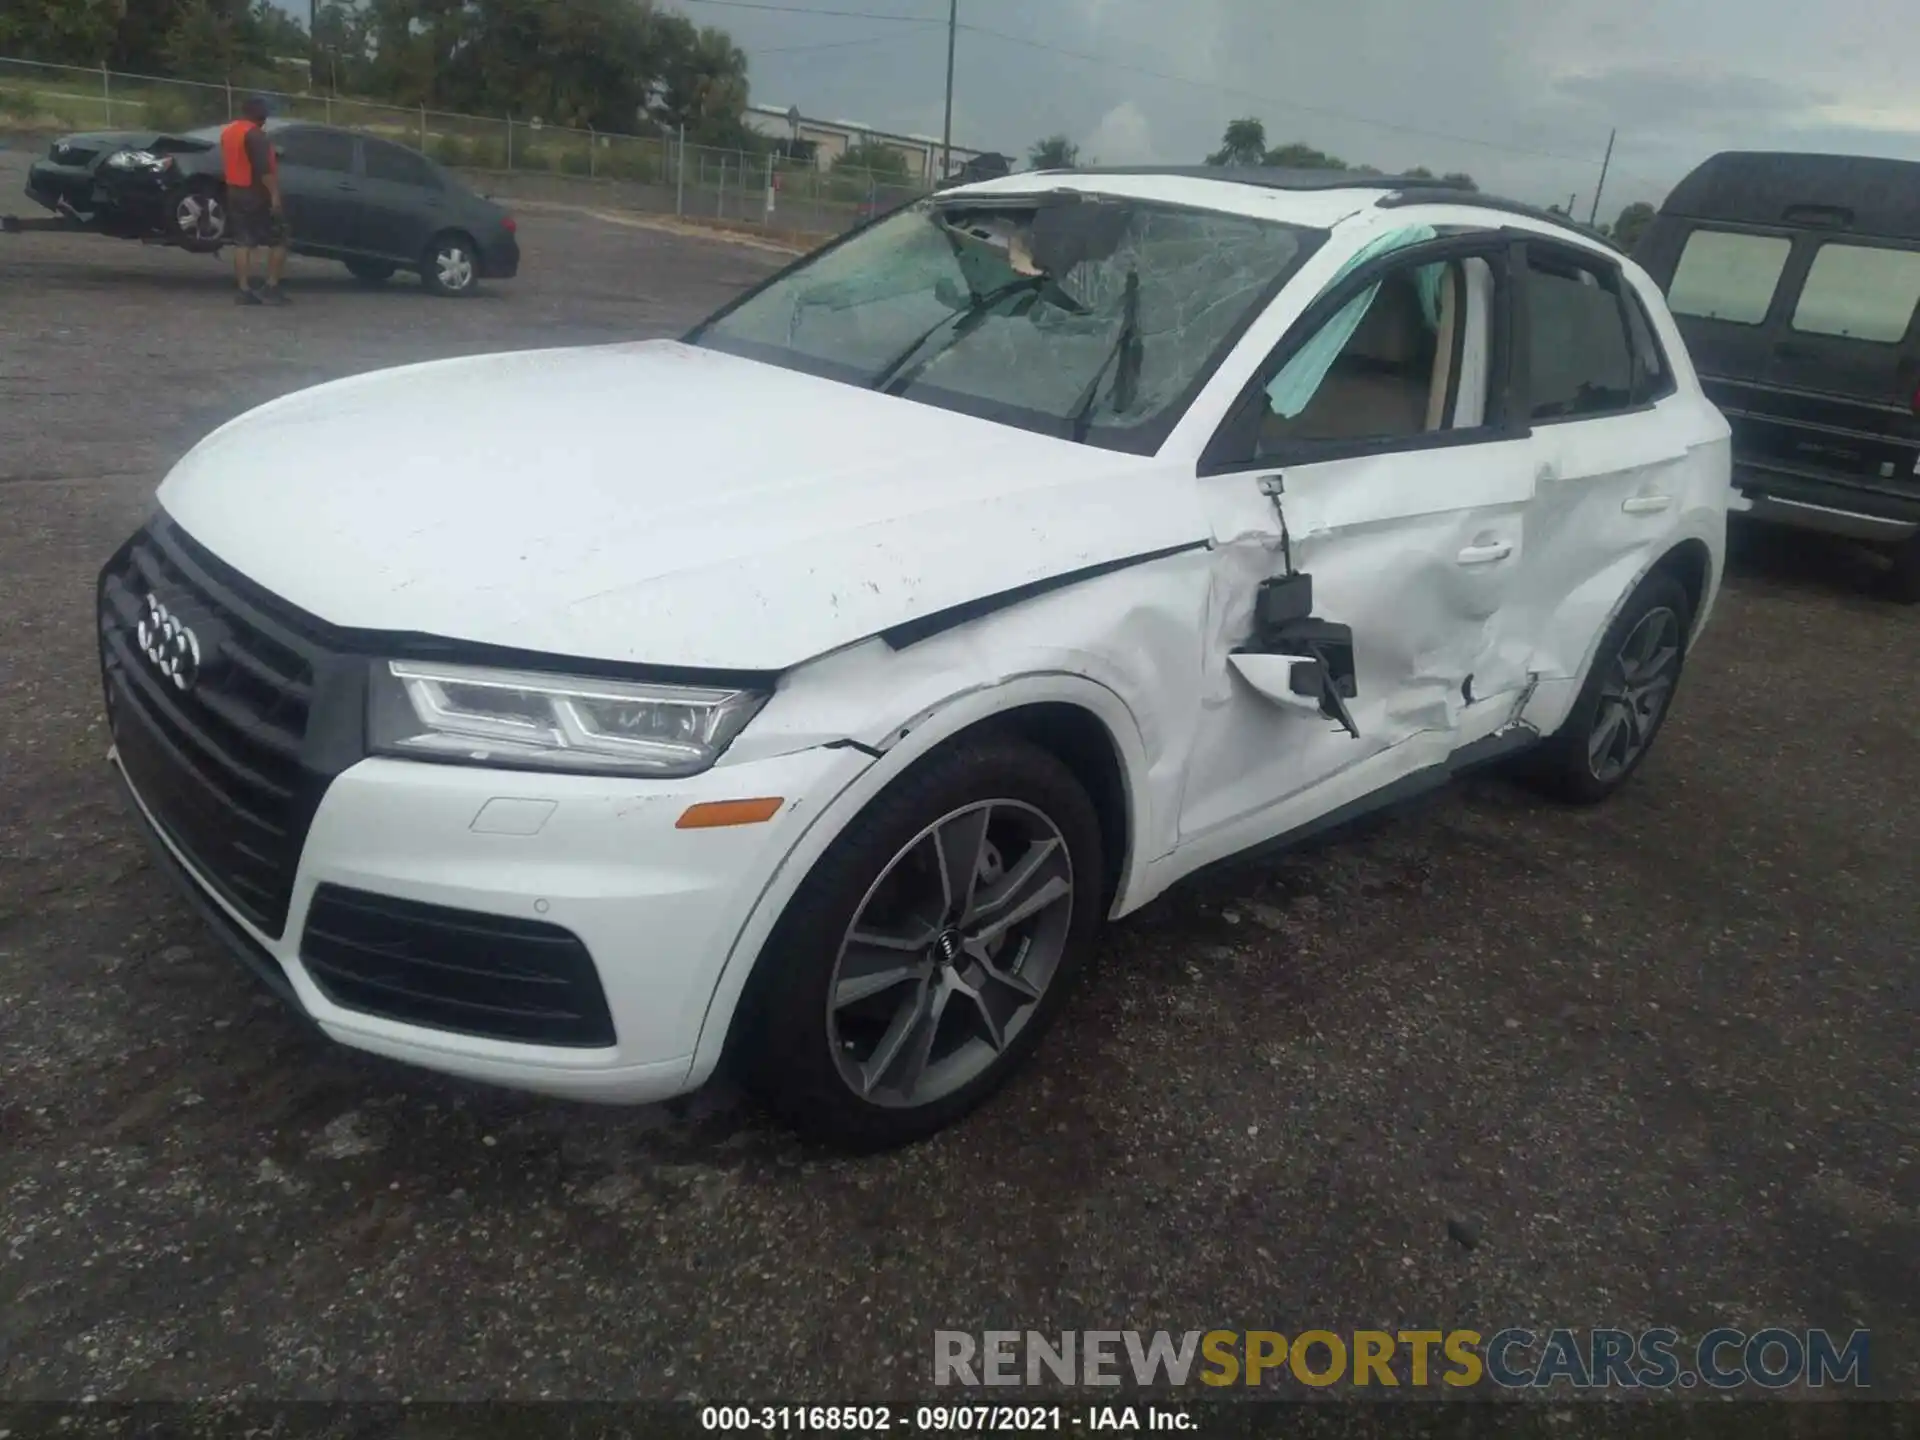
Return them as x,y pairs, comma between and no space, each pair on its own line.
1093,318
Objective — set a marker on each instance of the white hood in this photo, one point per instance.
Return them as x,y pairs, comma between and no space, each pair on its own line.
651,502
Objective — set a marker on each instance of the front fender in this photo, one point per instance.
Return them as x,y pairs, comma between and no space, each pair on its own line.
925,733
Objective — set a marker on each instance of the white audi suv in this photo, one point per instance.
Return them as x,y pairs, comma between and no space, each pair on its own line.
803,694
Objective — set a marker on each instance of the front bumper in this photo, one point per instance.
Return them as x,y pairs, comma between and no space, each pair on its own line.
49,184
126,204
658,909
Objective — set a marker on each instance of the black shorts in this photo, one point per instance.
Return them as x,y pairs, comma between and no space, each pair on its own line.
254,225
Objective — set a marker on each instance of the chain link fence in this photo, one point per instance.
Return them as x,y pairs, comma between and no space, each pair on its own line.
518,157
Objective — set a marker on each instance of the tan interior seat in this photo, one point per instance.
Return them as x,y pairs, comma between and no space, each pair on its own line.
1381,382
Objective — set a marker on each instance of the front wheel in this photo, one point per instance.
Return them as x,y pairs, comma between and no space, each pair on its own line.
450,266
199,215
1625,700
928,951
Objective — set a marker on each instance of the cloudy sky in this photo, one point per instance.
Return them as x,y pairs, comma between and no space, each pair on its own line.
1519,93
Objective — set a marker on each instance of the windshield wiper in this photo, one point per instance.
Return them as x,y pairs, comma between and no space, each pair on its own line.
1127,351
895,375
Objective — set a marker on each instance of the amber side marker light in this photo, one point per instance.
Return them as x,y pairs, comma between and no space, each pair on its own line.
716,813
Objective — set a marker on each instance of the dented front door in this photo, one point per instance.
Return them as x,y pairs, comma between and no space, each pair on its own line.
1417,553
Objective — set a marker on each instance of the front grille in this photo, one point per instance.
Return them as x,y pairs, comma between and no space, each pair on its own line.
223,764
459,970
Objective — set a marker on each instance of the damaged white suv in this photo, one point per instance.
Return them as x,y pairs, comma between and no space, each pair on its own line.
805,693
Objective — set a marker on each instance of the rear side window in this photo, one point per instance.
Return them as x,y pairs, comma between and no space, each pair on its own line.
402,167
1724,276
1859,291
316,150
1578,352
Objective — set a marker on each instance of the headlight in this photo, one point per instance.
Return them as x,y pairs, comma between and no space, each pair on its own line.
553,722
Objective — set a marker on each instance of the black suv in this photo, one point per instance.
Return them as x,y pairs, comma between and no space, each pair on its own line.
1796,282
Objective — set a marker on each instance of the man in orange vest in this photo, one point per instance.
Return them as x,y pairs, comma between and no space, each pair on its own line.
254,210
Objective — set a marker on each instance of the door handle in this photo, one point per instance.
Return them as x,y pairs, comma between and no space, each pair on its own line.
1646,504
1486,554
346,185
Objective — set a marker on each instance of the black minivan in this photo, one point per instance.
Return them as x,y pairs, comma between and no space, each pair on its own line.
1795,280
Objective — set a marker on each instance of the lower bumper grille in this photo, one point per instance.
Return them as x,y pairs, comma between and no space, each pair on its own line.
457,970
262,965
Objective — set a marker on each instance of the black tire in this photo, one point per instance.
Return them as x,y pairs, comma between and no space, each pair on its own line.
1564,765
198,214
371,272
1903,584
782,1041
450,265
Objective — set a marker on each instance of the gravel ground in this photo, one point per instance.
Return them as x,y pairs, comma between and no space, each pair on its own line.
1655,1060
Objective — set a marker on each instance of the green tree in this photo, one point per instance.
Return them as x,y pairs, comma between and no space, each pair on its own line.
581,63
618,65
1459,180
1056,152
205,42
1243,143
703,75
1297,156
1632,224
60,32
342,49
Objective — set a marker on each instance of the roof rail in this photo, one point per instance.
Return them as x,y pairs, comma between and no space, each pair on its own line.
1265,176
1483,201
1401,189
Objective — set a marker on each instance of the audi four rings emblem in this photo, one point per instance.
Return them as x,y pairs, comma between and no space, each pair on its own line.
172,647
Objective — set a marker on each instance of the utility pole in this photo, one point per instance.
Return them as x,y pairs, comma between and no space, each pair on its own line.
946,133
1593,214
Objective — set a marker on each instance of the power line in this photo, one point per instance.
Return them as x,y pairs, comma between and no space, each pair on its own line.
833,44
807,10
1110,62
1219,88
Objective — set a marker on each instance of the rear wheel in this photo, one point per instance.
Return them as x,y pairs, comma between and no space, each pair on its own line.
1625,700
371,272
199,215
451,266
929,949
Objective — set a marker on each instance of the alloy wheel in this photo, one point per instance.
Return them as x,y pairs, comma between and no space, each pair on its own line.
949,953
454,267
1634,696
200,217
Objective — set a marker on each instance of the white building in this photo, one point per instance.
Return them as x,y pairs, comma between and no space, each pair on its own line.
833,138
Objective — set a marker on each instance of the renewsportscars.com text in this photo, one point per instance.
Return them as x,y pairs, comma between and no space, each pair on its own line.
1514,1358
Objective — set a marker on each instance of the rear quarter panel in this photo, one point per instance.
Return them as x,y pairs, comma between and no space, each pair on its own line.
1594,553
